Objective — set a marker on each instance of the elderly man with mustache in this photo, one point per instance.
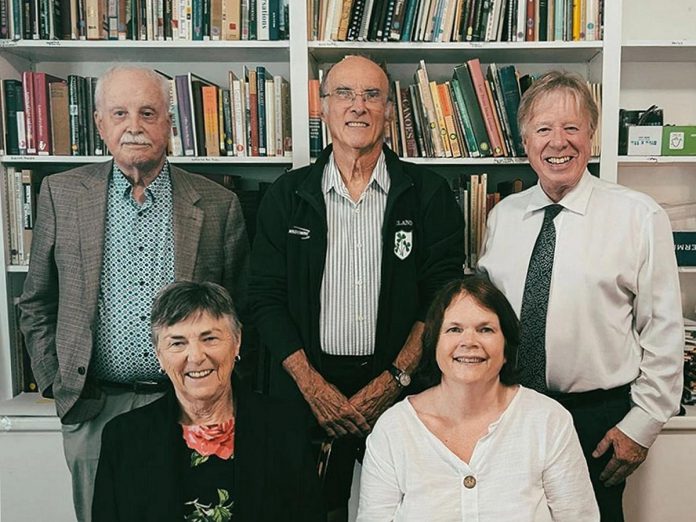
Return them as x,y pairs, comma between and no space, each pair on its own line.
107,238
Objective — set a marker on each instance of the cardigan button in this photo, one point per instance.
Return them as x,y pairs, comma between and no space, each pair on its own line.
469,481
81,370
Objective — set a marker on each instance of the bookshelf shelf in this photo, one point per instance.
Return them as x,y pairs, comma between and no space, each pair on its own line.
409,52
688,269
18,269
658,50
147,51
174,160
652,160
474,161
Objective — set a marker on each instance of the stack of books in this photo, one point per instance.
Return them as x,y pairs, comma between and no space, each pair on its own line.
455,20
144,19
20,202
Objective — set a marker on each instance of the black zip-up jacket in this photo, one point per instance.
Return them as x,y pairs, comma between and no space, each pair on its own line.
289,253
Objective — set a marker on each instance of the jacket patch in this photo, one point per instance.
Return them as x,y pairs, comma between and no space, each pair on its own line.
299,231
403,243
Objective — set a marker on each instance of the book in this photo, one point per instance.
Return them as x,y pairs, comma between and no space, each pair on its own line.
440,119
253,109
13,101
429,110
183,95
511,99
472,108
479,84
59,109
261,74
410,143
448,115
315,141
29,111
211,133
238,95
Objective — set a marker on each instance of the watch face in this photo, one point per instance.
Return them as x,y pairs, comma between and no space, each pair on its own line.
404,379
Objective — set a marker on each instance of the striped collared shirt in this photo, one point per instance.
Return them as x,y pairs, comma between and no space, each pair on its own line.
138,261
351,282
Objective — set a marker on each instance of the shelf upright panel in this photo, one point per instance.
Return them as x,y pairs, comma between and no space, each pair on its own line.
299,76
611,87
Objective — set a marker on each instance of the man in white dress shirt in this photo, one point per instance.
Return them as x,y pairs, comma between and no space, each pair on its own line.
612,336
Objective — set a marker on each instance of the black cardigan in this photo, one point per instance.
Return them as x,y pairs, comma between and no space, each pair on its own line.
275,478
289,252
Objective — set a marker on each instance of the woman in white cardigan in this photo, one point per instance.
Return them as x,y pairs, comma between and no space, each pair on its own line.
474,446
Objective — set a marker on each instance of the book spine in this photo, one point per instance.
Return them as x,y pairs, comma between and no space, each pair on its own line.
469,138
440,118
198,117
278,114
261,107
176,147
315,142
429,111
287,121
11,214
448,115
210,120
239,108
511,98
409,130
420,126
14,104
478,126
29,111
270,117
216,19
183,95
409,20
228,121
254,113
60,118
43,125
479,84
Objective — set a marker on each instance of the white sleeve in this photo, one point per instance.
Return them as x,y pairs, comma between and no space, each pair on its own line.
380,494
657,311
566,480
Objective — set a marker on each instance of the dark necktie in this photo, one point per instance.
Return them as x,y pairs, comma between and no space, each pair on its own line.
535,303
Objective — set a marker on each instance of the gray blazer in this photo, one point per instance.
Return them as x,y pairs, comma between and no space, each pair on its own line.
59,303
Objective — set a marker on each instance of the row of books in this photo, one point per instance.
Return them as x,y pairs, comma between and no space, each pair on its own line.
475,202
248,117
455,20
46,115
144,19
689,394
20,202
24,380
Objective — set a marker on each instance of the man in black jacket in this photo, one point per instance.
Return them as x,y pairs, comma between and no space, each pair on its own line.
348,253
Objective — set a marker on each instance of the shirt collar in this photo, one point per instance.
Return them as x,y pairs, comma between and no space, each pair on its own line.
160,185
332,176
576,200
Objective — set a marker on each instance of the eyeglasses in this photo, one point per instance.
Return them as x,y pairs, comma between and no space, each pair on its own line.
370,96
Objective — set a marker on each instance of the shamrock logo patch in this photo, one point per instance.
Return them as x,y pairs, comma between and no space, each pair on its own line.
403,244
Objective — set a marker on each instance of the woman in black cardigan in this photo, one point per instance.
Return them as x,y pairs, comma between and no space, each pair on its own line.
202,452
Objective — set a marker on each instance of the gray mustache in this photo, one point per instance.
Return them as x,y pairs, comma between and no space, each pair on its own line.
132,140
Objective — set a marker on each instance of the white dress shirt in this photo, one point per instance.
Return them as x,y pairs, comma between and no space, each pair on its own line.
529,467
614,313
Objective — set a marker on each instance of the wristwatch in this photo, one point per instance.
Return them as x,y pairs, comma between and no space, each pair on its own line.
402,378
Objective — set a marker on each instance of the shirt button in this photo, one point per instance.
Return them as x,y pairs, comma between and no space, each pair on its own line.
358,282
360,318
469,481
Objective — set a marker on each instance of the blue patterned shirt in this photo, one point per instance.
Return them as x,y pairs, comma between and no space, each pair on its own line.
138,261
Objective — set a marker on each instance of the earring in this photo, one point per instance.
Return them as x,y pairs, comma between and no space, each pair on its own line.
161,371
237,358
